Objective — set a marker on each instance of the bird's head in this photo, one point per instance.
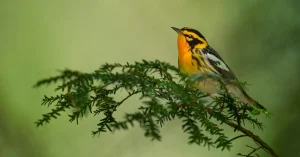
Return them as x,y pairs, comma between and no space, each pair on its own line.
189,38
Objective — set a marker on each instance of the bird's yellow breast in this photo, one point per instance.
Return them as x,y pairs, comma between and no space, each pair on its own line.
189,66
186,64
191,63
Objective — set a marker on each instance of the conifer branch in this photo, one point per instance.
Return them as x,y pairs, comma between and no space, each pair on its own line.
164,96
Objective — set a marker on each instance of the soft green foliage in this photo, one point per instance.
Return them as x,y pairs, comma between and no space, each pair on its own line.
164,97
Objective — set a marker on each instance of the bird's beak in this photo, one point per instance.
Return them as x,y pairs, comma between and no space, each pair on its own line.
177,30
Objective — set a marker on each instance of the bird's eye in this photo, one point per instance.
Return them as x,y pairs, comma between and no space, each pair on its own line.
189,37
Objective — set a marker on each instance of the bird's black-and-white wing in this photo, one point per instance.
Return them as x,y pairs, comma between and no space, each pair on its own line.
217,63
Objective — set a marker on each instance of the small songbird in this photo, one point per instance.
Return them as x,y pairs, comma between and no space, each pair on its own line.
195,56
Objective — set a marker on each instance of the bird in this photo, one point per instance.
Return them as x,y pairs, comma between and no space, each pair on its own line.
196,56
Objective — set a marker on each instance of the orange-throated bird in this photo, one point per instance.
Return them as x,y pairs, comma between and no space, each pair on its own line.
195,56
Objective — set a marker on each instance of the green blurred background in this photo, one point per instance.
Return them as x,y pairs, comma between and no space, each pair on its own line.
258,39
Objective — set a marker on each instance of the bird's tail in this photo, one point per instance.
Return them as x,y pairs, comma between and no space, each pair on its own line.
260,106
251,101
244,97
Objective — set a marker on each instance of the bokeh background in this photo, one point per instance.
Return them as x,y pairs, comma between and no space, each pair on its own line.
258,39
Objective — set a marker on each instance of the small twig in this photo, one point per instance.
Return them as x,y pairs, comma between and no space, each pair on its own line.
253,151
240,136
250,147
128,96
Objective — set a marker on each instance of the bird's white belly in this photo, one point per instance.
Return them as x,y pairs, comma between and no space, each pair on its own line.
208,86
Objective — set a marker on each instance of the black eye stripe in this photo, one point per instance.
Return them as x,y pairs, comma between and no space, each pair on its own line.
194,42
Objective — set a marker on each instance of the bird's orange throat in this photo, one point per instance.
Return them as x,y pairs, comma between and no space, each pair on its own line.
183,46
184,56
